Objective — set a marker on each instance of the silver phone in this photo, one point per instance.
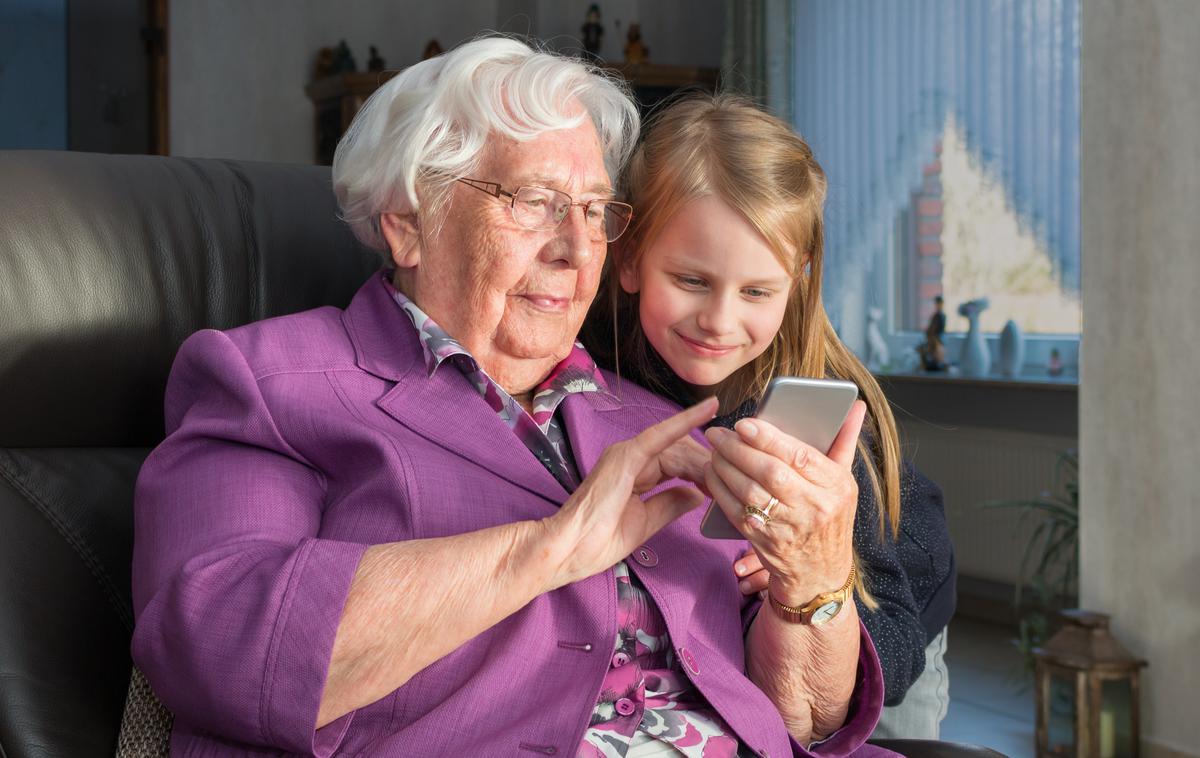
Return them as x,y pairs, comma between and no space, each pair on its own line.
811,410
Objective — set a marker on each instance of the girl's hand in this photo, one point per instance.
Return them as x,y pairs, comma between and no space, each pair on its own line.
752,577
807,545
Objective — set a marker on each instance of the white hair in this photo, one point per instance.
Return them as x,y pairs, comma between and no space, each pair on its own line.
431,122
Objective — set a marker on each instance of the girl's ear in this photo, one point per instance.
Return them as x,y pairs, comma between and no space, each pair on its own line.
627,273
629,280
403,236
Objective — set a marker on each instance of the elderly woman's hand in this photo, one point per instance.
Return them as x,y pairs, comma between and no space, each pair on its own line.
605,519
807,547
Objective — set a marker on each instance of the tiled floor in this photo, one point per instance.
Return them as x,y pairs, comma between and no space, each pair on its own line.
991,699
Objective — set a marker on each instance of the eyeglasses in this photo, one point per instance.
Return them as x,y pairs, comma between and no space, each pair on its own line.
541,209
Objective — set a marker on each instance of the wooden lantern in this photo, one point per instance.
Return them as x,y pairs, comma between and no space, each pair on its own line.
1087,692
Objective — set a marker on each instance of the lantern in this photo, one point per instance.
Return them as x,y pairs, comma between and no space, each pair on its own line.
1087,692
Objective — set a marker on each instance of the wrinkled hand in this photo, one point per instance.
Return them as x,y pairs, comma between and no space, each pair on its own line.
807,547
605,519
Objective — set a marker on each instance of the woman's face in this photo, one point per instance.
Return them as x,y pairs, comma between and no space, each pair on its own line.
514,298
712,293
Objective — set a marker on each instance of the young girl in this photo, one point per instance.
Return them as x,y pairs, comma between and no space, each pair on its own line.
715,289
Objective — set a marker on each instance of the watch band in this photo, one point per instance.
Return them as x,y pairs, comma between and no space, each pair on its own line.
803,614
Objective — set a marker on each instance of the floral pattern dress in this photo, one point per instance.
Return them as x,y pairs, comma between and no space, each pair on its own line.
645,688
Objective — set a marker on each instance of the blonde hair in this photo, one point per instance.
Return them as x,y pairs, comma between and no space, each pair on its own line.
725,146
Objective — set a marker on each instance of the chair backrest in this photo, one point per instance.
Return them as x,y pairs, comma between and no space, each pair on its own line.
106,264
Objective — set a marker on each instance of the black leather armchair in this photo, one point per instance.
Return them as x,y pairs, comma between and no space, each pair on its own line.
106,264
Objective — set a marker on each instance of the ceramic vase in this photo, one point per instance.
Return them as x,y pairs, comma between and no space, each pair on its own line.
1012,349
975,359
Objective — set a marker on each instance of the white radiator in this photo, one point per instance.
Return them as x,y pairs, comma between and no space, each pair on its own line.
974,465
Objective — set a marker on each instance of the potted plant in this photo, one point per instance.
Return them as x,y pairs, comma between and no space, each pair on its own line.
1050,563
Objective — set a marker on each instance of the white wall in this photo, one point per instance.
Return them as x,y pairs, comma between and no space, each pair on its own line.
238,69
1139,415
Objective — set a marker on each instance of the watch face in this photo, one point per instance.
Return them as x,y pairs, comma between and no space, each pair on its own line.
826,612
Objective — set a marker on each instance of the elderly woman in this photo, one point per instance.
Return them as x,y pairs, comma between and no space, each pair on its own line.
417,526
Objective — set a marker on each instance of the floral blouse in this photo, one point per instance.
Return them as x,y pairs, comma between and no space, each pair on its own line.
645,688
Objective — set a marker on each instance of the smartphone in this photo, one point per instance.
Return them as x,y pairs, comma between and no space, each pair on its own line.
811,410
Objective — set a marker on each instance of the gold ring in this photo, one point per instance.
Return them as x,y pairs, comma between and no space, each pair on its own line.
757,515
766,509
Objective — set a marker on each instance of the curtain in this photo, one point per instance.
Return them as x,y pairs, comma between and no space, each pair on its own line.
757,59
874,83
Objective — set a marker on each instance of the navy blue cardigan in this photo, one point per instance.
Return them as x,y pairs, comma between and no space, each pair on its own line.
912,577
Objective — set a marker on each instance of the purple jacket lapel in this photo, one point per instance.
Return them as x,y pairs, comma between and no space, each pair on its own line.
444,408
593,422
448,411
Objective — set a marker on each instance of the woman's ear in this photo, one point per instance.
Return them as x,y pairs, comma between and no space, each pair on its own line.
403,236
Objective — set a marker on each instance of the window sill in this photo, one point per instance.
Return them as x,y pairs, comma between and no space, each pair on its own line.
1068,380
1034,403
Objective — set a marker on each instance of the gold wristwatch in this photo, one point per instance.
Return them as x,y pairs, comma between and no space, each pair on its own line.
820,609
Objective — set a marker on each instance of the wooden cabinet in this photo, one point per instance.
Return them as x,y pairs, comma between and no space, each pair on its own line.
336,99
653,83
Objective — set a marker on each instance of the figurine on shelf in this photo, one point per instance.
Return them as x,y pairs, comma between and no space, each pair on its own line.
937,321
635,50
593,31
326,64
433,48
343,62
1054,367
878,355
375,63
932,351
933,354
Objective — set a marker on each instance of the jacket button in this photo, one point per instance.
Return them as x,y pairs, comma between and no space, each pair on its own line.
689,660
625,707
619,660
645,556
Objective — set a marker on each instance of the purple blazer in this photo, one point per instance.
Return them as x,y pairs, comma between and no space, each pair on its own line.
295,443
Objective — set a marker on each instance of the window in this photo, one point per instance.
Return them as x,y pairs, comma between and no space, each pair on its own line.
950,135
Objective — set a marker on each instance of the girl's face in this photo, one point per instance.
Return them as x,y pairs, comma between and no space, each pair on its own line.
713,294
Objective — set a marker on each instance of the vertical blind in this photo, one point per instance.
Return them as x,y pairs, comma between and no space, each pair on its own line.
875,82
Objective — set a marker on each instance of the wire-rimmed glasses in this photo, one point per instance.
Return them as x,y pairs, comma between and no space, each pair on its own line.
542,209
